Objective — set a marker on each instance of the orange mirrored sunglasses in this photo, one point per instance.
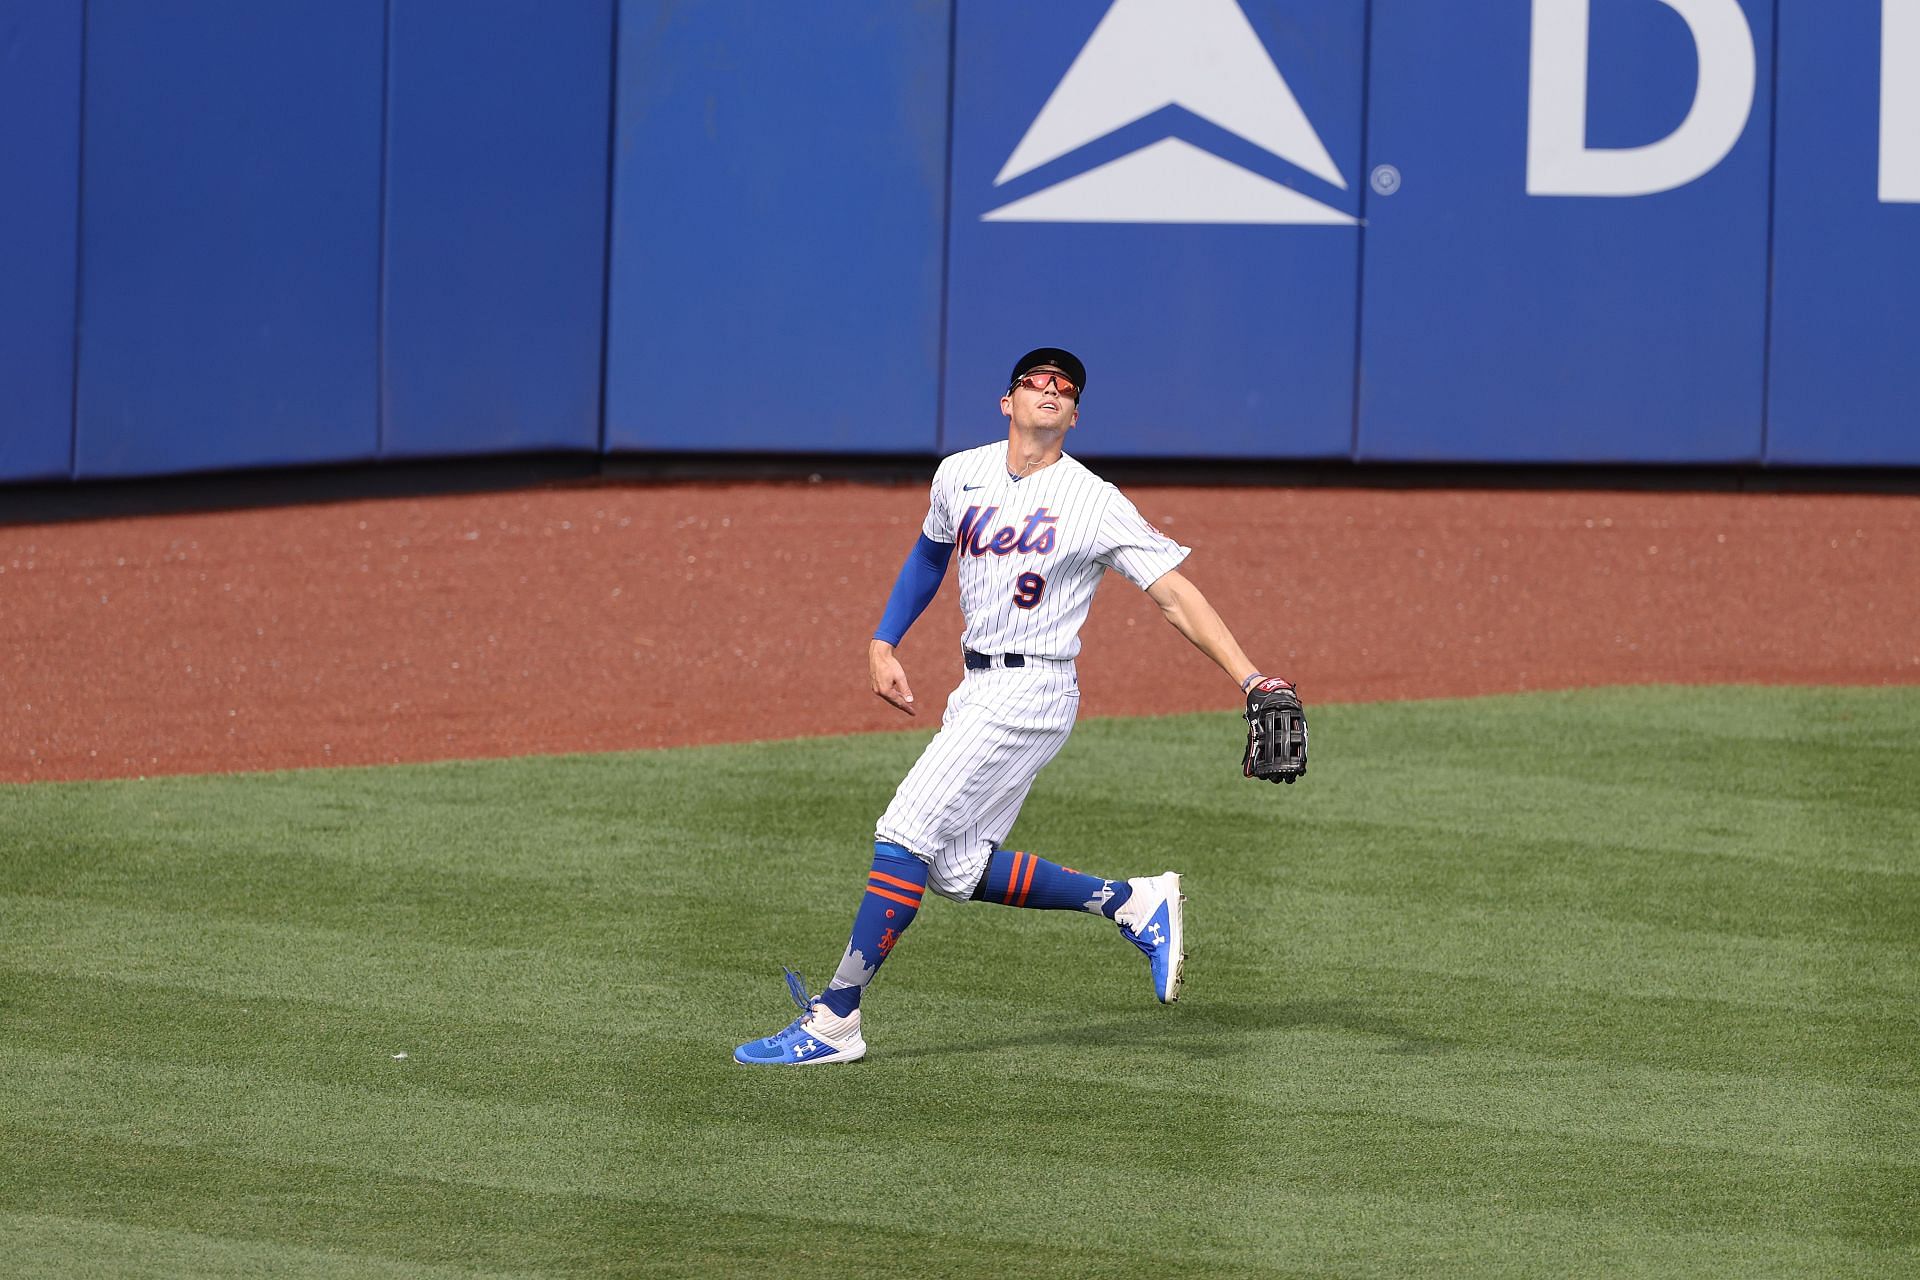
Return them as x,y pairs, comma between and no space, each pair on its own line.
1039,381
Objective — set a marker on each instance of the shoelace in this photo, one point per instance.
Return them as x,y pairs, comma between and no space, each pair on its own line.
797,988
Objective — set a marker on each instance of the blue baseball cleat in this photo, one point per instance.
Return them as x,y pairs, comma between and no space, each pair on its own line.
817,1035
1154,920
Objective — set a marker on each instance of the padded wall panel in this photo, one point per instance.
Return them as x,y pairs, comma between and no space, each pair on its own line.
779,189
497,115
39,194
1171,192
230,240
1846,320
1503,326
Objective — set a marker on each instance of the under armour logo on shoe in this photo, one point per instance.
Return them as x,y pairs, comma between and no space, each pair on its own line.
800,1050
1154,929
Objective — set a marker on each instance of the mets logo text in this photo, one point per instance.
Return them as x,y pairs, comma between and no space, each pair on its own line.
1035,538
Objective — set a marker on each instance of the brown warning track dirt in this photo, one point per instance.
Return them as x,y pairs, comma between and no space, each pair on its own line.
593,617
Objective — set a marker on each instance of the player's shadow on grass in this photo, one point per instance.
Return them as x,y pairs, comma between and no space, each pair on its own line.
1205,1031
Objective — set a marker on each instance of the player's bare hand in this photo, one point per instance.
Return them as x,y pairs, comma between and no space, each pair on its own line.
888,676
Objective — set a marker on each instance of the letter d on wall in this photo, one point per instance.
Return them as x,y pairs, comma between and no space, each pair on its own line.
1900,102
1559,162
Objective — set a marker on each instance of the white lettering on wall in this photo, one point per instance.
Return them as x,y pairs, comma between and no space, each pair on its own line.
1900,101
1559,162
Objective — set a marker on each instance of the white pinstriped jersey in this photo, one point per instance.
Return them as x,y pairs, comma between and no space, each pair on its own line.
1033,550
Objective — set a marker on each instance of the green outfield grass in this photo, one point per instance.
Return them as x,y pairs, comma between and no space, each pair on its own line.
1610,983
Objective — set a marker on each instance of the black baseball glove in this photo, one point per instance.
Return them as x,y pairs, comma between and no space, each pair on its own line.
1276,732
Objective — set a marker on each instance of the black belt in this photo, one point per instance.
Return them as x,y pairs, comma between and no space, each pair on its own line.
981,661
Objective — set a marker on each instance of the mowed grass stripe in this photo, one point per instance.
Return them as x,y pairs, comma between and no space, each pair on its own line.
1339,1161
315,1042
880,1219
109,1089
1533,770
1690,1048
1428,932
381,969
530,900
47,1247
1575,949
335,1046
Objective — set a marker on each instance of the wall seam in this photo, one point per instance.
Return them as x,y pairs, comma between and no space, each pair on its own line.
79,251
380,268
1364,183
1773,182
606,230
946,241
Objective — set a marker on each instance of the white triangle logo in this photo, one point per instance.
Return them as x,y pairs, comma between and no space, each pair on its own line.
1170,181
1148,54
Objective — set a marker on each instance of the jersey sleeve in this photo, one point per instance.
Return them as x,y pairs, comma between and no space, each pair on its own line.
939,524
1133,547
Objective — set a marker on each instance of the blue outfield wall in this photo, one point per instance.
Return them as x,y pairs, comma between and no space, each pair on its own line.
1088,178
1569,231
39,210
1516,311
495,224
308,232
1845,378
230,235
779,190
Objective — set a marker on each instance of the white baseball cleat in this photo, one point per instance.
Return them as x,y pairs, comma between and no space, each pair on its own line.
1154,920
817,1035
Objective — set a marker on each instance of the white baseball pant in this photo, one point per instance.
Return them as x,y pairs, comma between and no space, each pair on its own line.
960,799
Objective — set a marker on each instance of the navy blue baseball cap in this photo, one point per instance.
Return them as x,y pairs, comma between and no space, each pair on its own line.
1065,361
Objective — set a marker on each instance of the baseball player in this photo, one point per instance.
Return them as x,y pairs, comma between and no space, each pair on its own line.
1034,531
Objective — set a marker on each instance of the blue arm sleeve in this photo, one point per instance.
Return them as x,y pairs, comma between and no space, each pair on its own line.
914,589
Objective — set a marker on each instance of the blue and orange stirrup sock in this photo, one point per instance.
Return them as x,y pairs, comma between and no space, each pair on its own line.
1018,879
892,900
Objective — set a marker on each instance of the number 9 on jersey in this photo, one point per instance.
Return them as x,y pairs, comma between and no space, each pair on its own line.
1027,589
